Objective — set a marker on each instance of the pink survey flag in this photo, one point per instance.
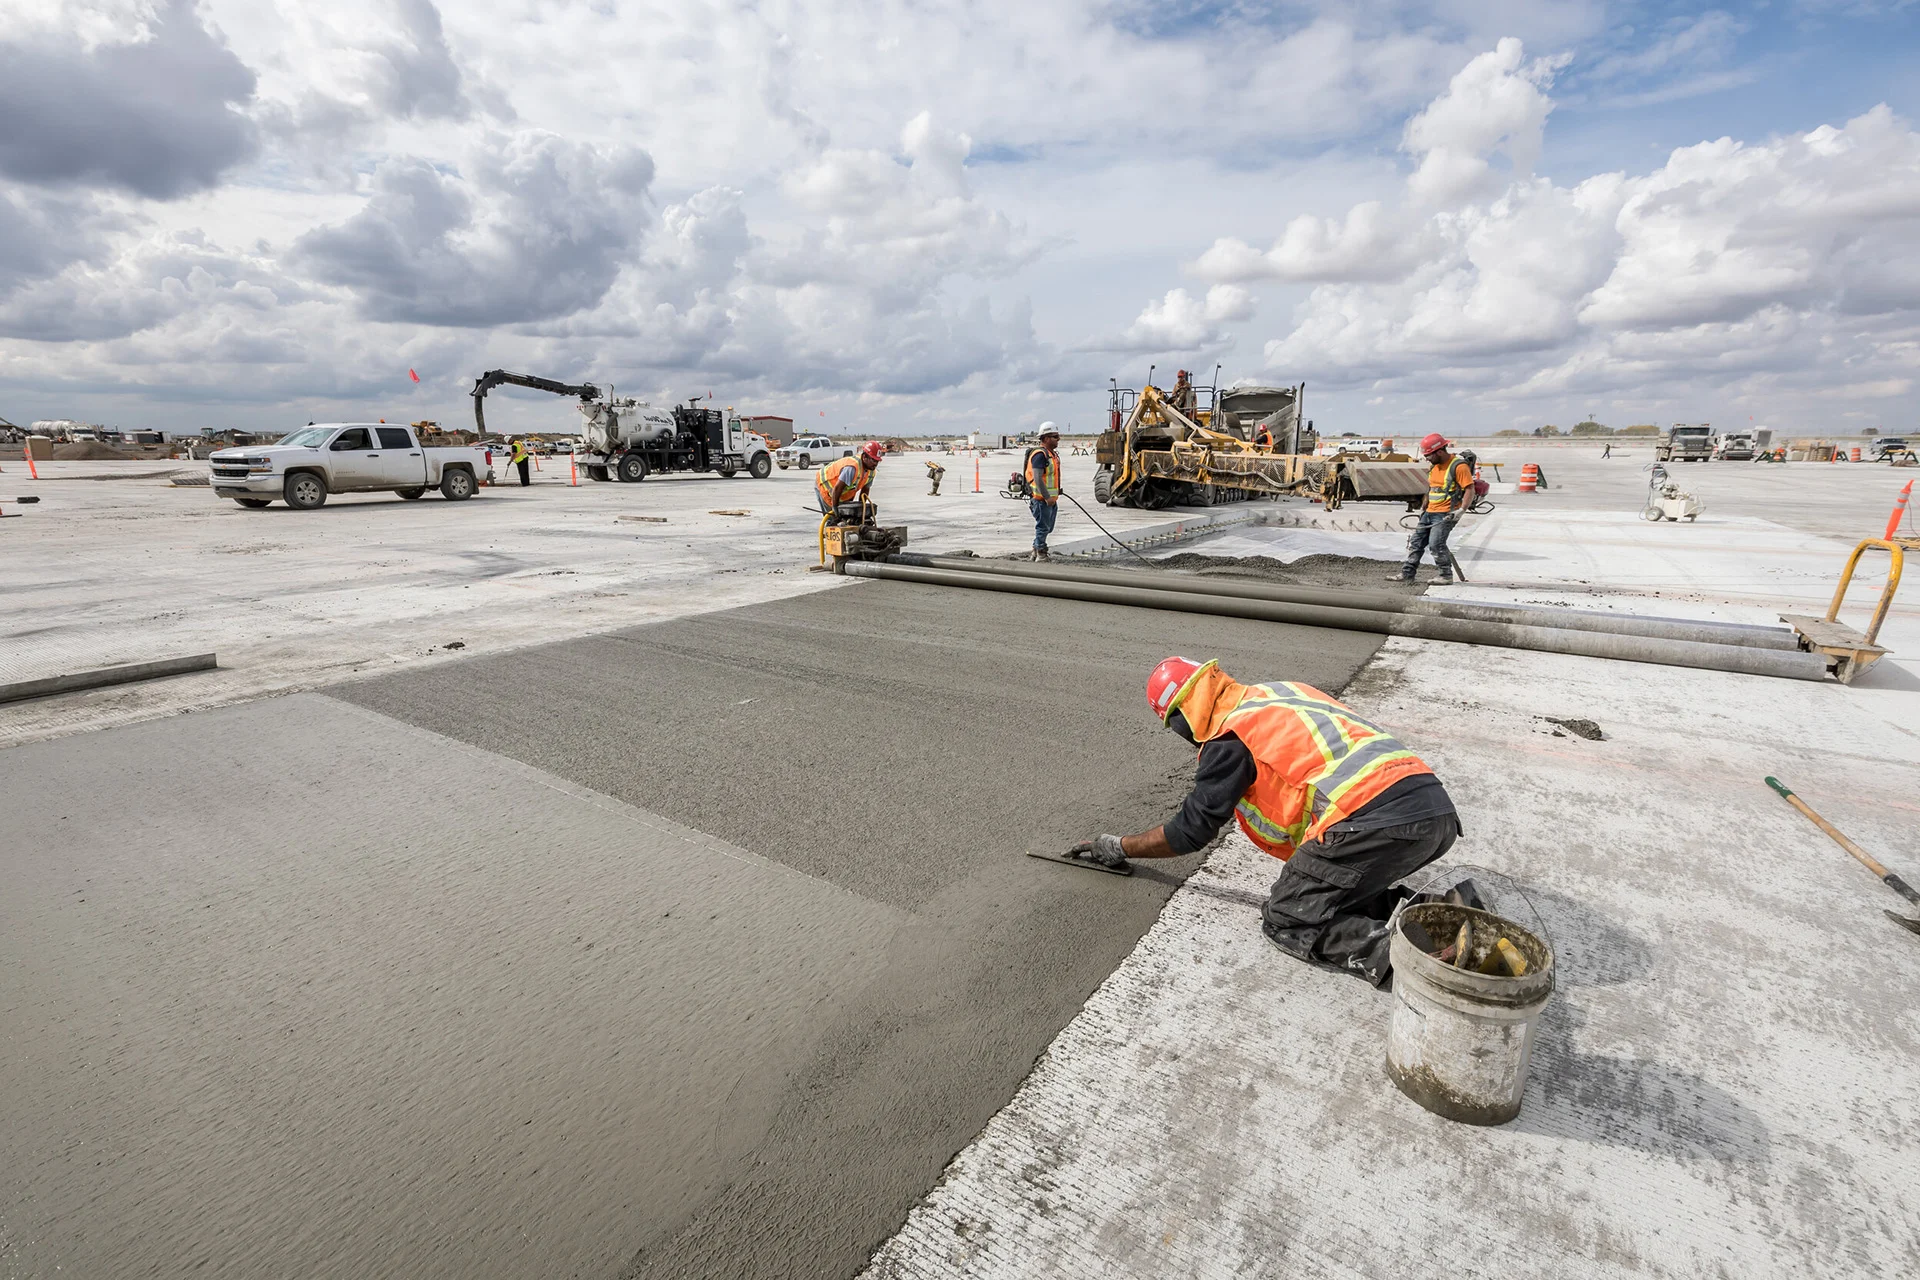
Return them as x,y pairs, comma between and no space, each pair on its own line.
413,375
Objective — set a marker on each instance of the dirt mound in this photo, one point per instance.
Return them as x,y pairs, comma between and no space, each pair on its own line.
91,451
1354,572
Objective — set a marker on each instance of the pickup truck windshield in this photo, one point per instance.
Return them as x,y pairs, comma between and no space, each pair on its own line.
308,437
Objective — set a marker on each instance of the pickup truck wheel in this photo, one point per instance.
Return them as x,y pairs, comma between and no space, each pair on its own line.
632,468
806,460
304,491
254,503
456,485
761,467
411,494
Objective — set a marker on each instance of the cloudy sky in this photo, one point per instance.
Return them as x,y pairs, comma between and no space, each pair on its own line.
875,215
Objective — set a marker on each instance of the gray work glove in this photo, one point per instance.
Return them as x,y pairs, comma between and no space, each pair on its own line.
1104,850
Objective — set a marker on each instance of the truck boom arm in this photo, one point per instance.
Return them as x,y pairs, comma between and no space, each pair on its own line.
496,377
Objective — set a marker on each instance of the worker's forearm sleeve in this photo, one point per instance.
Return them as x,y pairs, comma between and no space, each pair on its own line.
1225,771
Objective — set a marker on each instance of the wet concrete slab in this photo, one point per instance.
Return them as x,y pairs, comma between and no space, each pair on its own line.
295,989
907,744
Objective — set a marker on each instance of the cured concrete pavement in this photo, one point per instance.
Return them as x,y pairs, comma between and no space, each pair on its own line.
730,949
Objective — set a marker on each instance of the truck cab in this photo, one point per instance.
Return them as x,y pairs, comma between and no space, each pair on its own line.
1684,443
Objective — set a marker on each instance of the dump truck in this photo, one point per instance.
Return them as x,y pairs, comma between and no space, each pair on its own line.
1201,446
1684,443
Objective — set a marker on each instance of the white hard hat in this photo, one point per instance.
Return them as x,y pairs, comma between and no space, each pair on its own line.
1048,429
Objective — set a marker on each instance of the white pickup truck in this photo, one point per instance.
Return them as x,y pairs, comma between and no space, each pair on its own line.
346,457
806,450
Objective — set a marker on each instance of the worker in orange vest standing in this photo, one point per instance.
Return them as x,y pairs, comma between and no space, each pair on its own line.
1342,802
846,480
1450,492
1043,488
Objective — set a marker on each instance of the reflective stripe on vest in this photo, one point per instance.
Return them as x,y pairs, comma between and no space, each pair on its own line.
838,482
1044,481
1443,484
1316,762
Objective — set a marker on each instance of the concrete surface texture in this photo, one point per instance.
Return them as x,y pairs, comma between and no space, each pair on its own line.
330,1009
108,571
1723,1082
908,745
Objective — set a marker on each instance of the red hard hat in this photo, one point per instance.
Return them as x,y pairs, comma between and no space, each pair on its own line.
1166,682
871,452
1433,442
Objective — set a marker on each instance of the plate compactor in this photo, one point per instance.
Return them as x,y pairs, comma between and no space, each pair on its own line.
852,531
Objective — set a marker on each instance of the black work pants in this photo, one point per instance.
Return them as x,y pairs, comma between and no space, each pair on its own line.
525,480
1330,906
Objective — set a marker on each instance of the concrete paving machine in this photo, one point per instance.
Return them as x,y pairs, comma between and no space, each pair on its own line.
1199,446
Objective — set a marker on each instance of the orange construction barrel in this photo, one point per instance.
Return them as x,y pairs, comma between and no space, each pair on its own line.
1530,477
1856,453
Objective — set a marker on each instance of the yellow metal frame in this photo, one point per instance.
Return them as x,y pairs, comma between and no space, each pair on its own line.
1896,550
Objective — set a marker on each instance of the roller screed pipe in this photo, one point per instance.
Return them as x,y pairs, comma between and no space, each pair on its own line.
1724,633
1592,644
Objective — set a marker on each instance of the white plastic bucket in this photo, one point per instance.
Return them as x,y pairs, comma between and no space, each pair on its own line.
1459,1040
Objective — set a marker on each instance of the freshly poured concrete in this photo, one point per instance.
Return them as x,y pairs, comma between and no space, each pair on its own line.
907,744
289,995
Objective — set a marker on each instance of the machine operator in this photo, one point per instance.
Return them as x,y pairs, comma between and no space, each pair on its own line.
848,479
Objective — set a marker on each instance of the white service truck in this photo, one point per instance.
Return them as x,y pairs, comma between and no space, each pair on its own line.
345,457
1735,446
806,450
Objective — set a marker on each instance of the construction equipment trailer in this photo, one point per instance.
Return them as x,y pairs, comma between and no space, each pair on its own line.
628,439
1201,446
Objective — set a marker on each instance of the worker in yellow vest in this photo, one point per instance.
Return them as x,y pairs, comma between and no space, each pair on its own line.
1043,488
1342,802
848,479
521,457
1450,491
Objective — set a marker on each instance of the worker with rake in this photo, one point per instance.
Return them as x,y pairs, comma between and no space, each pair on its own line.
1343,803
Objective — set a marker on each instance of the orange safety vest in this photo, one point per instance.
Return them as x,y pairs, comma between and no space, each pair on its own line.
1044,481
842,480
1446,485
1315,761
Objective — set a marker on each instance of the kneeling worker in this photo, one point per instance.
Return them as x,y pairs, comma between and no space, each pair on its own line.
848,479
1342,802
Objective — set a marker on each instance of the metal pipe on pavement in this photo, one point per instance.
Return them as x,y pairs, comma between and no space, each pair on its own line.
1592,644
1730,633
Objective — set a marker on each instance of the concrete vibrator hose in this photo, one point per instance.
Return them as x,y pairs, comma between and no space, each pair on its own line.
1733,633
1592,644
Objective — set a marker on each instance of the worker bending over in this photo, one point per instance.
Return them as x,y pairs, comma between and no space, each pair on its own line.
1450,492
521,455
1343,803
934,472
848,479
1043,488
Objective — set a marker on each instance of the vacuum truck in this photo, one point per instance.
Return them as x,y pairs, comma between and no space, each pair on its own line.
628,439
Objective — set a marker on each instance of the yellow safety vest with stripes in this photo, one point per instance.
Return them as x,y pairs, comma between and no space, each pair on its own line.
1043,481
1316,763
1447,484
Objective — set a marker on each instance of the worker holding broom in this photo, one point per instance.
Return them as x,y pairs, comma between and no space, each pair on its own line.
1343,803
